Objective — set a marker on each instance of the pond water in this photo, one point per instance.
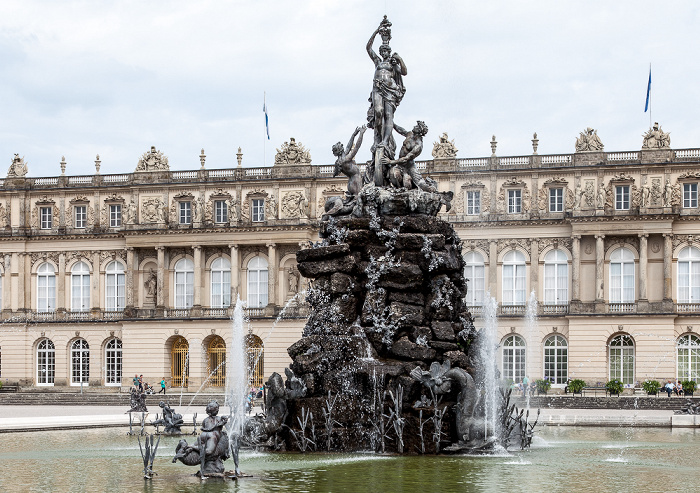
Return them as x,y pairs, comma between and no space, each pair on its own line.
562,459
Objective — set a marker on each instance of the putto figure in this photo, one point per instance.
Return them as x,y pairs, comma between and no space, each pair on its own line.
387,89
346,161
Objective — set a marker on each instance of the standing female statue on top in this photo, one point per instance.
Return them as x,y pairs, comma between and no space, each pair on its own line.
387,89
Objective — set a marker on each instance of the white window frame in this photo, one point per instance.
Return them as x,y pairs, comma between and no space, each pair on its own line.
556,278
473,202
220,283
79,363
513,358
474,268
688,266
184,284
257,210
115,215
688,358
80,216
80,287
690,195
257,273
622,276
220,212
622,197
513,279
556,359
46,288
45,363
115,286
46,217
185,212
621,359
556,199
114,363
515,201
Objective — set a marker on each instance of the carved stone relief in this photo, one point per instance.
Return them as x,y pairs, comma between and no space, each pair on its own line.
152,210
152,161
18,168
292,152
295,205
444,148
511,244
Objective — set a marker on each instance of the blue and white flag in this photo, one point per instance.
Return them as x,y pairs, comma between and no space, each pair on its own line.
646,106
267,125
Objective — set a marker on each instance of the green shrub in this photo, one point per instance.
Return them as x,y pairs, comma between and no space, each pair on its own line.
0,384
543,386
651,386
576,385
614,386
689,386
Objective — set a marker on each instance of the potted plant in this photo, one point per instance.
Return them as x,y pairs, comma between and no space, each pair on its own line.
614,387
688,387
651,387
576,385
543,386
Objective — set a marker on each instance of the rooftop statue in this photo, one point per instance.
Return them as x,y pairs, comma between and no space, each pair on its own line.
444,148
18,168
292,153
153,161
588,141
656,138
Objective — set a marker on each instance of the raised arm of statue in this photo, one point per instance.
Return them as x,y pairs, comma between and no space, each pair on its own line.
351,150
401,130
370,51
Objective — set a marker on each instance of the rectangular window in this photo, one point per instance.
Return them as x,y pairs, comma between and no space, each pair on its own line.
556,200
80,212
185,216
690,195
473,203
220,211
258,210
115,215
46,217
515,205
622,197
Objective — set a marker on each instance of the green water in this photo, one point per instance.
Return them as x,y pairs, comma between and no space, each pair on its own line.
562,459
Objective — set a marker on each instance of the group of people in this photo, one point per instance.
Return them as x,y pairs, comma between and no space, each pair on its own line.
255,393
524,386
676,388
145,387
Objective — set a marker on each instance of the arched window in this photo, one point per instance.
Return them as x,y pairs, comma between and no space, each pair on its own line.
80,362
46,288
115,293
622,276
180,362
255,353
556,278
689,275
45,362
257,282
689,357
216,362
556,359
622,358
184,283
113,362
80,287
513,358
474,272
220,283
514,278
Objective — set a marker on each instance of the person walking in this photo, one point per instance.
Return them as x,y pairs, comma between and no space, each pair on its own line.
526,385
162,386
140,381
136,381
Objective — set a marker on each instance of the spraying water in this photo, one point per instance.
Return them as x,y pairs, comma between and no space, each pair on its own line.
531,329
237,381
488,357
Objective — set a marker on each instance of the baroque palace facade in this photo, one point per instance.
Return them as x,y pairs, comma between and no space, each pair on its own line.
593,258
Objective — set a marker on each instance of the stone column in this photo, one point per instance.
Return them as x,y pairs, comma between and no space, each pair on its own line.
272,274
61,294
95,299
197,275
493,268
7,284
130,269
668,261
643,267
599,267
534,270
160,291
576,268
235,273
22,286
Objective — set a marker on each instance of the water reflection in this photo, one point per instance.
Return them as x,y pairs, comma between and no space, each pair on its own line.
562,459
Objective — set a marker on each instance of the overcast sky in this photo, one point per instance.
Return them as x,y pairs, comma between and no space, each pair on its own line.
79,78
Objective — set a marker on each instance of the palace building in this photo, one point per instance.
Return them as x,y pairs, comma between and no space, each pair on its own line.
593,258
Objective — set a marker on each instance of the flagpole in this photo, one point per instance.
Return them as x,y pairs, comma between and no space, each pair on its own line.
265,133
649,96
